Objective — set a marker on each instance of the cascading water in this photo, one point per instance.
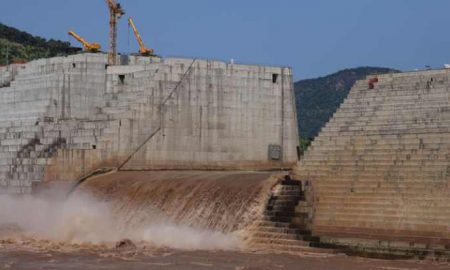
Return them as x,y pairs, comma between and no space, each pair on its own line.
178,209
218,201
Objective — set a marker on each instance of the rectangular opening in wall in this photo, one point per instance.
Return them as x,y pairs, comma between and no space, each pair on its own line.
74,65
122,78
274,78
94,146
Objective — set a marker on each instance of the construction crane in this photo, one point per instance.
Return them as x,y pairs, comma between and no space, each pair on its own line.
91,47
115,12
142,49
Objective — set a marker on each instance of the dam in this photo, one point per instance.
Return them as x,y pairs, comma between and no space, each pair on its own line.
214,145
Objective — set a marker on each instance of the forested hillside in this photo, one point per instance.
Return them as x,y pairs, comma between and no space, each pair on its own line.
18,46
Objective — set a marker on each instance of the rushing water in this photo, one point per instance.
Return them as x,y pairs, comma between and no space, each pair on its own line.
184,210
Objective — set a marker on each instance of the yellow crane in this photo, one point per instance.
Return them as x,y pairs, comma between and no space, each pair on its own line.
142,49
115,12
91,47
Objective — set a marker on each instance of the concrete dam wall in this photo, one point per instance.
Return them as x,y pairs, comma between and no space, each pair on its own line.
379,170
61,118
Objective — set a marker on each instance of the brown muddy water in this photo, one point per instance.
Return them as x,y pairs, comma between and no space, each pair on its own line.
13,256
218,201
183,210
171,220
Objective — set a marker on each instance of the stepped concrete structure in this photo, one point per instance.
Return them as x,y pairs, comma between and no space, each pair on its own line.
65,117
379,171
376,178
281,227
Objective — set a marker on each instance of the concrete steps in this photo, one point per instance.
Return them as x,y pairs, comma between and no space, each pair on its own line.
281,228
382,162
283,248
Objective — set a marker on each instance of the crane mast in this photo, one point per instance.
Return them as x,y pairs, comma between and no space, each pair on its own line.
92,47
115,12
142,49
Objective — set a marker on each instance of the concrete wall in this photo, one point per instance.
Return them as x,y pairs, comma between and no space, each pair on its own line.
219,116
380,169
61,118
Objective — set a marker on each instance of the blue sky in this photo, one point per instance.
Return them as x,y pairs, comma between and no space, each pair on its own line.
315,37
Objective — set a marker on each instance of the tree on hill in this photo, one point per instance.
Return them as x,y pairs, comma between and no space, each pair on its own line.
16,45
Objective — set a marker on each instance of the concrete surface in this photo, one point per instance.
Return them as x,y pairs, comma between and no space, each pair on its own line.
63,117
380,168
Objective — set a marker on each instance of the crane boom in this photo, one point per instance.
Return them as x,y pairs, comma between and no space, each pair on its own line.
92,47
115,12
142,49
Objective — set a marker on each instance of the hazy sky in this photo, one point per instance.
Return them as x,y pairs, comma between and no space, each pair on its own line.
315,37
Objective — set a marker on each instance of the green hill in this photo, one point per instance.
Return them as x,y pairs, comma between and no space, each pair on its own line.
317,99
16,45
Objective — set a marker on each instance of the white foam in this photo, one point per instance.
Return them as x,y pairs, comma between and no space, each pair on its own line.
83,219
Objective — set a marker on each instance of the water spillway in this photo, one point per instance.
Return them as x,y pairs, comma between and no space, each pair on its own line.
175,209
217,201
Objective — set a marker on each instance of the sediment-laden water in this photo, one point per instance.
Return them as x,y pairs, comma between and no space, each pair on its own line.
183,210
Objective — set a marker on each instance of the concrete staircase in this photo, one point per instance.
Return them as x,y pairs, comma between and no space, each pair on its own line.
22,158
380,168
281,228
